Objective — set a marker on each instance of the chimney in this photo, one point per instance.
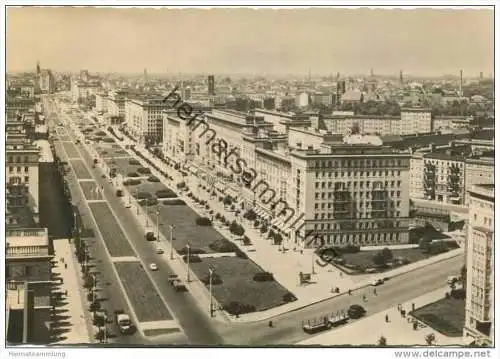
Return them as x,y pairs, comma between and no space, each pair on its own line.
461,82
310,148
432,147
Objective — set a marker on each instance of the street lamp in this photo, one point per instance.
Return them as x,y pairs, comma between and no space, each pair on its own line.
188,279
171,227
210,273
312,262
158,225
137,200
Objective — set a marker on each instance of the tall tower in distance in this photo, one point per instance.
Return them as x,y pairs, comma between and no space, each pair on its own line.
461,82
211,85
145,75
401,80
371,72
481,75
38,68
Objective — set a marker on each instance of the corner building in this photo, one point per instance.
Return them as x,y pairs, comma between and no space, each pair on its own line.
351,193
479,304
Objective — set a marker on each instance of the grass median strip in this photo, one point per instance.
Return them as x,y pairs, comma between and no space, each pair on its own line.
80,170
71,150
112,234
147,303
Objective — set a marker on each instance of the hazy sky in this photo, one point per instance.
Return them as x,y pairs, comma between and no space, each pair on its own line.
420,42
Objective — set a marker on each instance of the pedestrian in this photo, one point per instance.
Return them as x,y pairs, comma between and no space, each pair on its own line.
386,318
349,291
66,293
65,265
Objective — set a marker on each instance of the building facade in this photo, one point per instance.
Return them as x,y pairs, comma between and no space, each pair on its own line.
144,118
21,170
351,194
415,120
478,170
28,281
479,314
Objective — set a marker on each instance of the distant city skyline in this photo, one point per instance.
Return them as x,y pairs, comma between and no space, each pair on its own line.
423,42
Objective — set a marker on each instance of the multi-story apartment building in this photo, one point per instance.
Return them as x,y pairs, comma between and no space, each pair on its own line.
144,118
478,170
81,90
415,120
16,105
479,315
342,123
444,177
450,122
283,121
101,102
116,103
351,193
21,169
46,81
28,286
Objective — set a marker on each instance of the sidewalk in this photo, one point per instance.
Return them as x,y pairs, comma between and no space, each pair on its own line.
398,331
285,265
80,328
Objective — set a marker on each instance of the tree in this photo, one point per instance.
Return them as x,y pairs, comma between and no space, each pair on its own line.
387,254
430,339
463,276
382,341
430,180
263,229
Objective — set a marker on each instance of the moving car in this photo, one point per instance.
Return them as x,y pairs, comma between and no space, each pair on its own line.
153,267
149,235
159,250
123,322
377,282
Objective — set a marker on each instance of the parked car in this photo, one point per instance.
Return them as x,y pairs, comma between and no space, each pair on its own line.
356,311
119,193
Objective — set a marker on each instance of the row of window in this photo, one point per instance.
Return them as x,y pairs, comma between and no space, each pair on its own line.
362,238
357,173
359,163
355,184
18,169
362,194
17,159
359,214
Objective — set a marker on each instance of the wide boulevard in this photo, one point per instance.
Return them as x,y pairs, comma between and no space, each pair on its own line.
198,327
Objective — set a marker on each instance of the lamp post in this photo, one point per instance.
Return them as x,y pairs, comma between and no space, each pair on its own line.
105,327
312,262
158,225
147,215
188,279
171,227
210,273
137,200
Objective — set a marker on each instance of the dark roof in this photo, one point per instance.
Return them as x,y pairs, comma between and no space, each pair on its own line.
484,135
391,138
444,156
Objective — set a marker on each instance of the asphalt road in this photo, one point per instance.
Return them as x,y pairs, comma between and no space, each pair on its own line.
200,329
195,323
399,289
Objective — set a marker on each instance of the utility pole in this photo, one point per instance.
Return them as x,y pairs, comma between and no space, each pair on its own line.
210,272
171,241
188,277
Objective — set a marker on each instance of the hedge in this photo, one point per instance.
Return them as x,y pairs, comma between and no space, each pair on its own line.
289,297
263,277
132,174
193,258
203,221
223,246
153,179
131,182
134,162
237,308
175,202
165,193
183,251
144,170
143,195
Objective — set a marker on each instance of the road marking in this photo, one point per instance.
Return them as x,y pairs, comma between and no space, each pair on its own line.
85,180
96,200
158,324
124,259
133,248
